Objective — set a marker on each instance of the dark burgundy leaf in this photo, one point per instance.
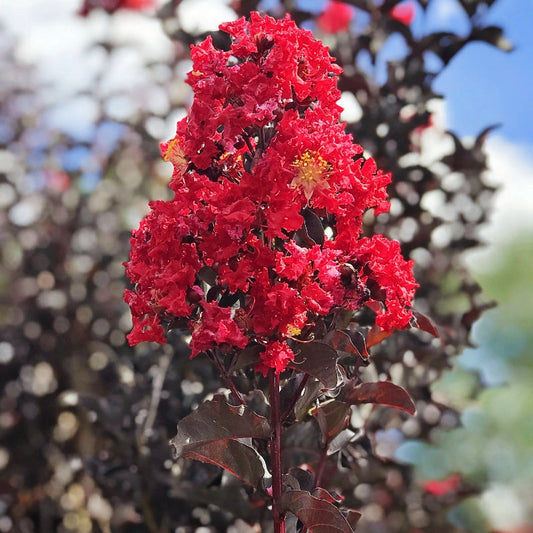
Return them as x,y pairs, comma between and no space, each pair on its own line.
238,459
350,342
380,392
215,420
423,323
305,478
353,517
492,35
313,226
341,440
208,435
319,360
208,275
332,417
248,356
311,392
318,516
323,494
376,335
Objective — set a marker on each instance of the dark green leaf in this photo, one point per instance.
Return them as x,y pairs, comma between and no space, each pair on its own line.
319,360
317,515
380,392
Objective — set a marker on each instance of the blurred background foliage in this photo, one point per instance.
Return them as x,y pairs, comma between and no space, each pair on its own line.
85,420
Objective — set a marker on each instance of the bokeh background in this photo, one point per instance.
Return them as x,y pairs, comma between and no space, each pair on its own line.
84,102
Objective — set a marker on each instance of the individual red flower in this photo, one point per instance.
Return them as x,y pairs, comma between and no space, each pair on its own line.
336,17
261,155
277,355
404,13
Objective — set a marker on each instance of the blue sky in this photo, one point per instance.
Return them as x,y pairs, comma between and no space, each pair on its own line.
484,86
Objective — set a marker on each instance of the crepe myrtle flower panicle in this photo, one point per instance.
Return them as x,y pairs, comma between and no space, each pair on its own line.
262,243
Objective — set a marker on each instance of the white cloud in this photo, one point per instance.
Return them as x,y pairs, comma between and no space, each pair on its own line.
511,169
204,15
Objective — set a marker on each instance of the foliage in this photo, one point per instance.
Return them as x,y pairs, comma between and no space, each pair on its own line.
85,424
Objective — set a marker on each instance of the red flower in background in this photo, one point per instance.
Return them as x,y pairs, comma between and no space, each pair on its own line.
336,17
261,151
113,5
444,486
404,13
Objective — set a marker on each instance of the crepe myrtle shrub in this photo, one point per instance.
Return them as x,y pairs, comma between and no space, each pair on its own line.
261,257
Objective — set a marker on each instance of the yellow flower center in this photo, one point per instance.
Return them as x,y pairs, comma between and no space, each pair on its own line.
175,155
311,172
292,331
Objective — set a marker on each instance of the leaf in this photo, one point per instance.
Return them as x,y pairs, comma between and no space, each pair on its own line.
319,360
332,417
317,515
237,458
380,392
209,435
330,497
312,391
246,357
353,517
350,342
341,440
313,226
423,323
305,479
208,275
492,35
376,335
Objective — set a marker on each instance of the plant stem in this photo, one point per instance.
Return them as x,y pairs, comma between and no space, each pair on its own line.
226,378
275,452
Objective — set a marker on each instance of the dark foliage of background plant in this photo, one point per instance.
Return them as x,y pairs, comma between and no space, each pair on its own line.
85,420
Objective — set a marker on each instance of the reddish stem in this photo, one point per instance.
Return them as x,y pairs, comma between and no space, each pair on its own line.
275,452
226,378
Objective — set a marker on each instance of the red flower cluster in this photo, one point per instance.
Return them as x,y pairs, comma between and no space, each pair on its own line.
113,5
262,239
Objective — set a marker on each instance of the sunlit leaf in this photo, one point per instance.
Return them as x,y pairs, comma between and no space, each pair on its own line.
209,435
380,392
237,458
423,323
